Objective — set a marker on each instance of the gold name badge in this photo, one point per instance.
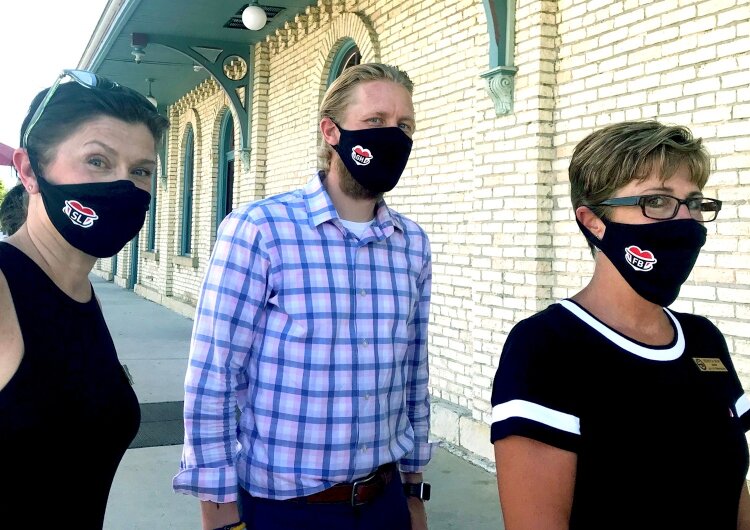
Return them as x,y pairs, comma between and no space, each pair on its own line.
709,364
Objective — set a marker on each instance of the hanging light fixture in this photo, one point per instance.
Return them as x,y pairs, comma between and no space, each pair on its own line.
253,17
150,96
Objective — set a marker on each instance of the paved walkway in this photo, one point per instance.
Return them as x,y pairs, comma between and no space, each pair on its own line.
153,342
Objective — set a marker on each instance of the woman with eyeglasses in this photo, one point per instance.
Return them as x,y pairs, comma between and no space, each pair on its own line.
67,410
611,411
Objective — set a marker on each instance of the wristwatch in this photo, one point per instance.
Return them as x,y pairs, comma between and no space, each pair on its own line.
420,490
234,526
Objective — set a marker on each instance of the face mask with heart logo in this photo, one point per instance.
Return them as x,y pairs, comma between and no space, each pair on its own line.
654,258
96,218
375,157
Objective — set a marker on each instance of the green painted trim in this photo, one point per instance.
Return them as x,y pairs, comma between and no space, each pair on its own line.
151,236
500,85
113,33
133,277
501,25
187,194
347,46
215,68
225,155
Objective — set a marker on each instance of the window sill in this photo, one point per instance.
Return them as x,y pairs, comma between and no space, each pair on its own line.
186,261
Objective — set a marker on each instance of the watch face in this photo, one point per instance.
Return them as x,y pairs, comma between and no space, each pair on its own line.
421,490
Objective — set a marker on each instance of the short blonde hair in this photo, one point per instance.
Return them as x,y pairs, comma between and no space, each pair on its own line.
338,96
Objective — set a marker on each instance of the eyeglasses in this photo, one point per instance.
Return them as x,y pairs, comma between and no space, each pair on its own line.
663,207
82,77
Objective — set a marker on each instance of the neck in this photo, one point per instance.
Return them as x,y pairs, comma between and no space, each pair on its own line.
66,266
348,208
611,299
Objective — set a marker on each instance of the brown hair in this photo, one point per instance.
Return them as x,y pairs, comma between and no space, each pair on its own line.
610,158
338,96
13,209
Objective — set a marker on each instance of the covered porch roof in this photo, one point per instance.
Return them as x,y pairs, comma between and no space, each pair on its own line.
180,44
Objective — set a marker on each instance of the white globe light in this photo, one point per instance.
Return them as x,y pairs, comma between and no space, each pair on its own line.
254,18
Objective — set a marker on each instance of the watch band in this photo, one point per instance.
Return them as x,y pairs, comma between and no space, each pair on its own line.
420,490
239,525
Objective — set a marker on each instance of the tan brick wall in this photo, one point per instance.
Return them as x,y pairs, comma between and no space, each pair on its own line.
682,62
492,191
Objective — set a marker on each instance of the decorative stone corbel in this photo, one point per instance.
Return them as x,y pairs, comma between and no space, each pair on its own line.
500,86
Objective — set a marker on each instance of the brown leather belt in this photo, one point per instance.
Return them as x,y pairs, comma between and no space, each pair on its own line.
356,493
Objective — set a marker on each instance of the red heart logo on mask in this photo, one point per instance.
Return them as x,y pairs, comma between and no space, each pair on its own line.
77,206
643,254
361,151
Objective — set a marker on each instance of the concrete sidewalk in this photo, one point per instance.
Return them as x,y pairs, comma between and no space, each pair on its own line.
153,342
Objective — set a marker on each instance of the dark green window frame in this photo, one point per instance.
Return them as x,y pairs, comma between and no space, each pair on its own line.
225,185
187,193
348,55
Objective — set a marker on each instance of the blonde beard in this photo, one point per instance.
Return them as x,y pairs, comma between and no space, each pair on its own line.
349,186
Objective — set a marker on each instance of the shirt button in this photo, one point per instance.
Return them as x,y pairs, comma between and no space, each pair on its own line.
364,448
364,342
362,292
367,396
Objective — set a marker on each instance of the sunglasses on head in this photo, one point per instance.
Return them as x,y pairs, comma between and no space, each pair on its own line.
82,77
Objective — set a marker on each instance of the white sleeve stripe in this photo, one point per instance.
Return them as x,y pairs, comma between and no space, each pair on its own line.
742,405
532,411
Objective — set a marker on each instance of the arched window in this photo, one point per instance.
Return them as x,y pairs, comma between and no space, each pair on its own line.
151,236
348,55
158,173
225,187
187,193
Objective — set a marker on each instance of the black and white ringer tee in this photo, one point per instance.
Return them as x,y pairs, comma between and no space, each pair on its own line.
658,431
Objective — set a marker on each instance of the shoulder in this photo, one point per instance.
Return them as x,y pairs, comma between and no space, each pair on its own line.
549,326
538,346
415,238
408,225
256,220
698,329
270,209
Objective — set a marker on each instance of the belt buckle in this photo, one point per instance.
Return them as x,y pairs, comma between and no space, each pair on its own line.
356,484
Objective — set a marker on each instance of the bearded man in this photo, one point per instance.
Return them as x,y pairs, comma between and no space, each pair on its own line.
312,322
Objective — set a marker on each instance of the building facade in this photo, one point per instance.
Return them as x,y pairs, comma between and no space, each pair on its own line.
502,95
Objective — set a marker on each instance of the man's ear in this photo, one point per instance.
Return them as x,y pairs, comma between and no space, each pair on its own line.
329,131
25,173
591,221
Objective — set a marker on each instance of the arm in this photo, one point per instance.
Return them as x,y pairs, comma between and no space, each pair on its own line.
233,292
215,515
743,513
417,395
416,506
535,482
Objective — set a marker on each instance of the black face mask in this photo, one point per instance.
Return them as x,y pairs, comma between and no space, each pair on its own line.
97,218
655,258
375,157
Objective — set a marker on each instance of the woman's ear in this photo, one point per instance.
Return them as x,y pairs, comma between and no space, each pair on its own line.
25,173
591,221
329,131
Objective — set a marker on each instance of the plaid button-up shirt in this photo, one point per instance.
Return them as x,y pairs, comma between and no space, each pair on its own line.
320,339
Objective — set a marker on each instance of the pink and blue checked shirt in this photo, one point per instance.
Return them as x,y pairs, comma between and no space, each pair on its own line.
320,339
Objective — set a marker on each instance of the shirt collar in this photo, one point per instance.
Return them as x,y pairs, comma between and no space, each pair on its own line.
321,209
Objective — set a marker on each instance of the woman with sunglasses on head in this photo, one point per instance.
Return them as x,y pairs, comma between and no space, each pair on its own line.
67,410
609,410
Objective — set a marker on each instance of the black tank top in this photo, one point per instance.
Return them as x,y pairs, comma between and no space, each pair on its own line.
68,413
